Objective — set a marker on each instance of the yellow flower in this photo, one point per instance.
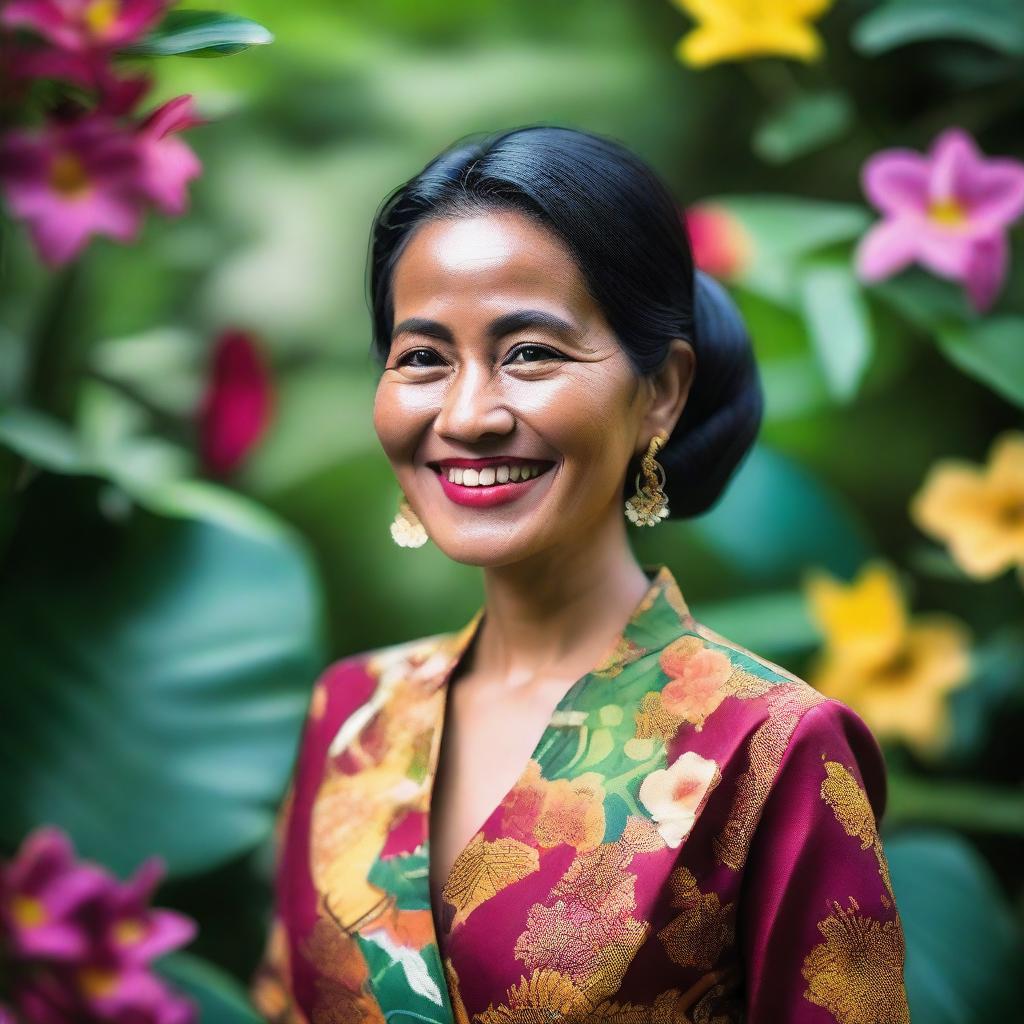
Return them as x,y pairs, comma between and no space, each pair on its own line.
896,673
737,29
978,511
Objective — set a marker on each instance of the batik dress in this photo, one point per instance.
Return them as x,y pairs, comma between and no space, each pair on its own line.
692,840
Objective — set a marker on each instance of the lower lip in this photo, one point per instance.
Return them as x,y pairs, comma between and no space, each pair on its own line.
493,494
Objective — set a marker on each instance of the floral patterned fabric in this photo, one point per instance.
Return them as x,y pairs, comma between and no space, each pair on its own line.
693,840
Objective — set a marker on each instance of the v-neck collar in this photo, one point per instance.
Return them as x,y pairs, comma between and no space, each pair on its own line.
643,632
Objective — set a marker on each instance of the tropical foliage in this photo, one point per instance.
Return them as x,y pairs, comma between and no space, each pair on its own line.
196,511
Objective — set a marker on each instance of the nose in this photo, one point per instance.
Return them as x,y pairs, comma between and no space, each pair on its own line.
473,406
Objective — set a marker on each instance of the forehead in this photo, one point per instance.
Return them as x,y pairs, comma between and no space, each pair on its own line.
486,258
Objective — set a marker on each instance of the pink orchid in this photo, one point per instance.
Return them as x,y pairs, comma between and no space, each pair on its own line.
948,211
40,892
96,176
235,408
126,928
79,942
80,25
71,181
167,163
90,69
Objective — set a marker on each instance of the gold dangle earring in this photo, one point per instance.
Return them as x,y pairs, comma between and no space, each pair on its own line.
406,529
650,503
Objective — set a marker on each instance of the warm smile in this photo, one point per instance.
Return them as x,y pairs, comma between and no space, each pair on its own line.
484,482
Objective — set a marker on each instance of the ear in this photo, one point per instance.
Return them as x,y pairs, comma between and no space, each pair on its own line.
669,387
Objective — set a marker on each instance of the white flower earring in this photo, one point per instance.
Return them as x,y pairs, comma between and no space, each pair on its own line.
406,529
650,503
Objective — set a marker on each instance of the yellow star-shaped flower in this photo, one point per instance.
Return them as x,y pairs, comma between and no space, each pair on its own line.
894,671
738,29
978,510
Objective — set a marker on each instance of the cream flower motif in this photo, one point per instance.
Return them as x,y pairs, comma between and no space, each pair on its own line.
673,795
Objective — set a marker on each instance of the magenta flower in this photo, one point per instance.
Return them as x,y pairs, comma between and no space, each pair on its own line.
40,892
122,923
167,163
236,406
79,25
95,176
72,181
78,942
948,210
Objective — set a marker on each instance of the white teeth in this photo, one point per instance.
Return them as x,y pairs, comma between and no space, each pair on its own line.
490,475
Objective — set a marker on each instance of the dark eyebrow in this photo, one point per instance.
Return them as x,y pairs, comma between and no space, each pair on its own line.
498,328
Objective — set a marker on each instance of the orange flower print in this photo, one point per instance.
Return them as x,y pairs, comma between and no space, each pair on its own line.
698,677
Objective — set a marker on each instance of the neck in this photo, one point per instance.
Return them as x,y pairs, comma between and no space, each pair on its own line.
560,609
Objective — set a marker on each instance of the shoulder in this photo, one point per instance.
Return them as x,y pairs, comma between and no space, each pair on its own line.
355,685
785,725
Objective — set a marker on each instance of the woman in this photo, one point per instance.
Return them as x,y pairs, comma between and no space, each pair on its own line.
583,805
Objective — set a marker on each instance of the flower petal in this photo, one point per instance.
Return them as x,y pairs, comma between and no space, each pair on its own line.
886,249
986,270
896,181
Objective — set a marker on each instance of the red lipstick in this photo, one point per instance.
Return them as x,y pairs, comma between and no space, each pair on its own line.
490,494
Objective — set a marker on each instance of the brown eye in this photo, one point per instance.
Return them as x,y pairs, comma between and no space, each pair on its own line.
407,358
541,353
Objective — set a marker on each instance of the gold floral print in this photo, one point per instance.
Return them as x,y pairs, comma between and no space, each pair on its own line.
586,931
349,824
342,976
270,990
765,750
857,972
551,812
845,795
458,1006
483,869
624,653
547,997
697,935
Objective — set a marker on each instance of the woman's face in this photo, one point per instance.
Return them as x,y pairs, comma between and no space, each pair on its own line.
500,359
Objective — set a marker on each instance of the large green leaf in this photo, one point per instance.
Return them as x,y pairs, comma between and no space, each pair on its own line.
838,323
946,897
200,34
157,670
775,518
998,24
221,999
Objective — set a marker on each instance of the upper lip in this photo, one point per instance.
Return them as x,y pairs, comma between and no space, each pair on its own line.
492,460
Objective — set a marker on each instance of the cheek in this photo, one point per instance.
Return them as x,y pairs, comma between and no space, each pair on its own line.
400,415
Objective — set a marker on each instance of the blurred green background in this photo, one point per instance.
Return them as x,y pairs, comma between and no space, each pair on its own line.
163,622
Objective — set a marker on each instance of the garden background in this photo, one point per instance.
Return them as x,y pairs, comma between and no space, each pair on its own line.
196,509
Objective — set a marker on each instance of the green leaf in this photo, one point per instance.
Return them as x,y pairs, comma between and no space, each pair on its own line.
775,518
784,231
998,24
221,999
963,805
774,624
945,893
805,124
200,34
991,351
838,324
157,673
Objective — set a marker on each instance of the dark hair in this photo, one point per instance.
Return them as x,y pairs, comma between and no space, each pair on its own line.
630,242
